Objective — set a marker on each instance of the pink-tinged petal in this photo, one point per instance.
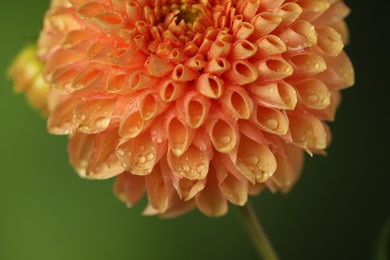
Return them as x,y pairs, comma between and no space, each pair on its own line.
242,72
183,73
157,191
139,155
255,161
188,189
193,164
177,206
171,90
278,95
127,58
103,162
93,116
62,79
60,121
299,35
90,77
237,101
158,67
133,11
270,120
330,41
313,93
249,8
194,108
234,188
209,85
196,62
140,80
308,132
150,105
340,73
79,150
307,64
129,188
59,59
269,45
90,9
211,201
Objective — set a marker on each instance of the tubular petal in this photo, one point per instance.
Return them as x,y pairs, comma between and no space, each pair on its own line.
224,135
299,35
312,9
236,100
313,93
273,69
209,85
171,90
195,108
308,132
269,45
60,121
255,161
279,95
179,136
307,64
329,41
133,125
243,49
270,120
289,12
217,66
264,23
340,73
242,72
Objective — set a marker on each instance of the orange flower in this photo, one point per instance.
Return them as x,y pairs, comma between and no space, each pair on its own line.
195,103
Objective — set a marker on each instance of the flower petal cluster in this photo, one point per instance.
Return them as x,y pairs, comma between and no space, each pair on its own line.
195,103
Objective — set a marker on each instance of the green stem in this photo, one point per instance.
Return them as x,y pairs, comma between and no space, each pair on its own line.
259,237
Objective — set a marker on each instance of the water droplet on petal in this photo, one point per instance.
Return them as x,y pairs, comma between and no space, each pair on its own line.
102,122
186,168
120,152
141,147
141,159
200,167
253,159
150,156
272,123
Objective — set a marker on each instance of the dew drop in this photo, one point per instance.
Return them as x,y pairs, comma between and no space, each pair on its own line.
150,156
186,168
102,122
141,147
82,117
253,159
141,159
159,140
120,152
124,165
272,123
226,139
312,98
200,167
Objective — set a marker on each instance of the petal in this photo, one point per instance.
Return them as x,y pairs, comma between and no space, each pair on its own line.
255,161
272,69
180,136
237,102
93,116
242,72
158,194
299,35
209,85
308,132
104,163
279,95
79,150
194,108
307,64
264,23
60,121
193,164
129,188
270,120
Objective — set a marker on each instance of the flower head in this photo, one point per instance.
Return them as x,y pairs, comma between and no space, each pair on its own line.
196,103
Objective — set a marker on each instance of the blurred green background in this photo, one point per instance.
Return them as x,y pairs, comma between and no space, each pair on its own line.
335,211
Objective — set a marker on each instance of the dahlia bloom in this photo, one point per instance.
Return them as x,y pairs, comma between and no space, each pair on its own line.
195,103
